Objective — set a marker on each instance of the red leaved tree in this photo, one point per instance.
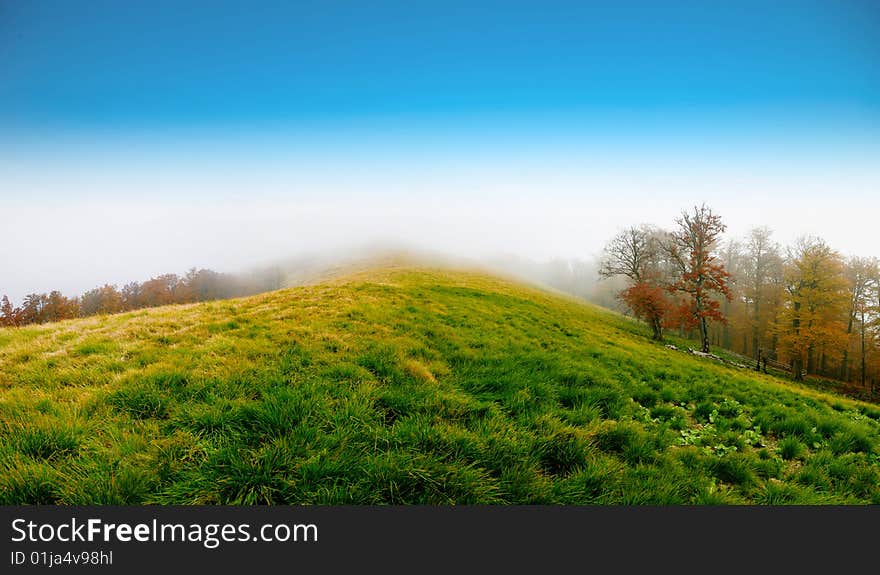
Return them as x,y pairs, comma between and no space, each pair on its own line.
648,302
700,276
9,315
634,253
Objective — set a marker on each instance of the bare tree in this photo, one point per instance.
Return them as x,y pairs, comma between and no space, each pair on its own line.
630,253
633,253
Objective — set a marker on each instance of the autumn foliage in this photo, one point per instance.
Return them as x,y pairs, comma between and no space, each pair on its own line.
196,285
648,303
807,309
675,277
698,273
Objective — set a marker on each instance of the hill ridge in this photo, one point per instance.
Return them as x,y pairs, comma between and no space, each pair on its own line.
408,384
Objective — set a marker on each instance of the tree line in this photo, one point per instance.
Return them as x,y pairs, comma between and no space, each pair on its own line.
805,306
194,286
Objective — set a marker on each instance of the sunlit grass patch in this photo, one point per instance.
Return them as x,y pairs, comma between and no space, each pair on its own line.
408,386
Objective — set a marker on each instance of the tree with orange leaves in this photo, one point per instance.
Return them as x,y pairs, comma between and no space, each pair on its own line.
9,315
649,303
700,276
811,320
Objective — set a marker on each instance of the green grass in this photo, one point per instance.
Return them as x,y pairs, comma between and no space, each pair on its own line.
407,385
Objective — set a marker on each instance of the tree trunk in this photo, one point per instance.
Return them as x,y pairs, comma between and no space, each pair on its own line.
725,330
704,335
862,331
756,342
844,363
657,328
797,366
810,367
797,360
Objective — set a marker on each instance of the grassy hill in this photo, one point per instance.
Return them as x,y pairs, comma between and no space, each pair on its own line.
407,385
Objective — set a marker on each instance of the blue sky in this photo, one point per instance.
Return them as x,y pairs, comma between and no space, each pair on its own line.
126,65
542,105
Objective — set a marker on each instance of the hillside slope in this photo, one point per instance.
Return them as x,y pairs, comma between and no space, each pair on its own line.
407,385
